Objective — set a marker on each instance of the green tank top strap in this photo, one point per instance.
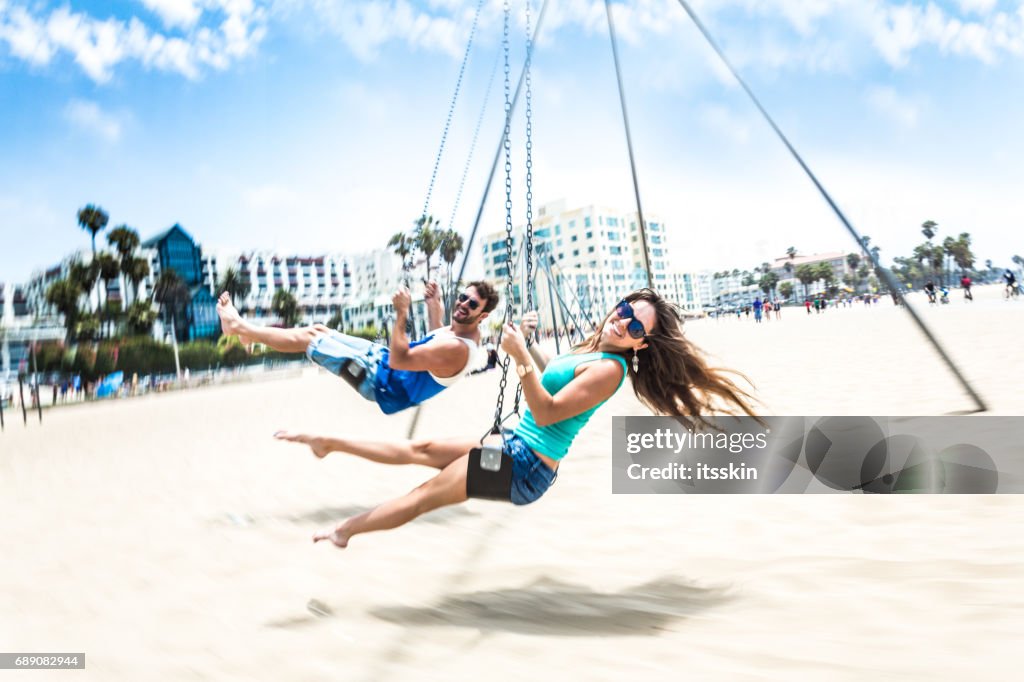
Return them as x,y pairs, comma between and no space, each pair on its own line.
625,370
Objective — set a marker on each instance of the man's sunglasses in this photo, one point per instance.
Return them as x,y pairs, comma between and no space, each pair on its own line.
473,303
635,327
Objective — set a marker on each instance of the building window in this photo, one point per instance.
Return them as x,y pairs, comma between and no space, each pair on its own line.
590,249
574,238
586,221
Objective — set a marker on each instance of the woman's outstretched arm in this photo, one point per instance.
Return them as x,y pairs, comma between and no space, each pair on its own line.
591,387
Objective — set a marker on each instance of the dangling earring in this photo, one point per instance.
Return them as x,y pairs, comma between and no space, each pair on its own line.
636,362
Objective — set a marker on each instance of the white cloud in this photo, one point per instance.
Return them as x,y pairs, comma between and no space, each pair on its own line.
25,35
215,34
89,117
183,13
982,7
894,106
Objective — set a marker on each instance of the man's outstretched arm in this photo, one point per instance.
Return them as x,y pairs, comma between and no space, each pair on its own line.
443,358
435,307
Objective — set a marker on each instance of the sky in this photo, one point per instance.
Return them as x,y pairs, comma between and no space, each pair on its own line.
313,126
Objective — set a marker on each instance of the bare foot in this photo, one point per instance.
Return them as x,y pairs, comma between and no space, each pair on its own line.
318,445
231,323
335,536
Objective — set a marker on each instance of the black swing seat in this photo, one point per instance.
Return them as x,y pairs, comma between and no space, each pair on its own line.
353,372
484,484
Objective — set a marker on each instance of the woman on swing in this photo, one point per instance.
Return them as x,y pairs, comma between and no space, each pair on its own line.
641,337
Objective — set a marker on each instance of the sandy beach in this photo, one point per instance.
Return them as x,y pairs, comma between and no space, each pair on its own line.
168,537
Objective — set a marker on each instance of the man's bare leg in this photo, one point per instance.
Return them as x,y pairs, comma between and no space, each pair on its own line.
285,340
432,453
448,487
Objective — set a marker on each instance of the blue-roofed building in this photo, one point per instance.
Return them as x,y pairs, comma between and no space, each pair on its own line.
176,251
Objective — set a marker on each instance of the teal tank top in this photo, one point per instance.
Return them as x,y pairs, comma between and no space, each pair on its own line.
554,440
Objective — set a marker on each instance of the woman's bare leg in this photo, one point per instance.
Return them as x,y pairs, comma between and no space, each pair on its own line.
285,340
448,487
431,453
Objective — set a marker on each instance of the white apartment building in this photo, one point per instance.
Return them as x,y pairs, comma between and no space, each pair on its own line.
785,267
595,253
358,286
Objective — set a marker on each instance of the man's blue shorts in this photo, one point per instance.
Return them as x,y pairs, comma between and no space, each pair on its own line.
331,351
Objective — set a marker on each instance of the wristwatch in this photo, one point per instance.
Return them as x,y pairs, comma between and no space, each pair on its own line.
523,370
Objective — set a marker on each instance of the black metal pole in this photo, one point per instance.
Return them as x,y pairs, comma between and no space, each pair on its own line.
629,146
21,392
884,274
554,310
35,375
497,159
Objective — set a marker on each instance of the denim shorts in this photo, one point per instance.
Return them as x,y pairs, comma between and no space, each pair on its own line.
330,351
531,477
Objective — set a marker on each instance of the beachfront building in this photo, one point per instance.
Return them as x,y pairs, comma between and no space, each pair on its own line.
786,267
20,328
594,253
175,250
353,288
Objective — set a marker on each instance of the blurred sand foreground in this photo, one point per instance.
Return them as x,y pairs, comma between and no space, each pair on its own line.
168,537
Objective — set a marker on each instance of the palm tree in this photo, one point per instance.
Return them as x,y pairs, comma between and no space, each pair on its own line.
402,245
93,219
64,295
286,307
232,283
826,273
451,246
109,271
171,293
948,252
786,289
864,241
928,229
124,240
791,252
427,238
807,274
85,276
138,270
962,254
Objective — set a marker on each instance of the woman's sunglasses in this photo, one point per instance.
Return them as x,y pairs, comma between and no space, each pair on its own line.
635,327
473,303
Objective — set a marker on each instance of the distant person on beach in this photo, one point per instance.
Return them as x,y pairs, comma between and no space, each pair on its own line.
929,289
758,305
965,283
641,338
807,304
1011,283
397,376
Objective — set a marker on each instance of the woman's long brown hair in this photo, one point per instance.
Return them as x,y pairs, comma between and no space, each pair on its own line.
674,379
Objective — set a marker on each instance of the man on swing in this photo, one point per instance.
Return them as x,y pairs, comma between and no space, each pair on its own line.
395,377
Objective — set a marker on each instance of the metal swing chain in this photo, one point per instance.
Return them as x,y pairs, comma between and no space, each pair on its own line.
528,250
472,145
451,109
508,216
